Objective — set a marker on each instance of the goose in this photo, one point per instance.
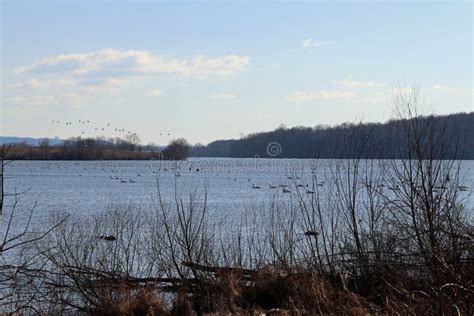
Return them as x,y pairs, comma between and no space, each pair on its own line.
131,181
108,237
300,185
255,186
309,192
122,181
286,190
273,186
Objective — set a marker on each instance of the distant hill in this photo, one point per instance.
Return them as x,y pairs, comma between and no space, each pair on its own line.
329,142
27,140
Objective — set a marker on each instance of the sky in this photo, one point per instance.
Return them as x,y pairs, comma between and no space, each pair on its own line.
209,70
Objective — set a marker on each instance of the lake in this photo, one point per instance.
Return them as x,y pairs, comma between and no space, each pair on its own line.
85,188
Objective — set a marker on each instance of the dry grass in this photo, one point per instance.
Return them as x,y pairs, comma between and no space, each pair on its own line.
143,303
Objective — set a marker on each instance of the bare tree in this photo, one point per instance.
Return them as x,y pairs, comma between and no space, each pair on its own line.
133,140
18,269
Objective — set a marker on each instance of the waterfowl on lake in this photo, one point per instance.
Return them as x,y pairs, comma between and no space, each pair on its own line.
108,237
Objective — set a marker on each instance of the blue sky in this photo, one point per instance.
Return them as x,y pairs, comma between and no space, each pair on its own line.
207,71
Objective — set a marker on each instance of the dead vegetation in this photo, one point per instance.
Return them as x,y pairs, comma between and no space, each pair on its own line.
385,237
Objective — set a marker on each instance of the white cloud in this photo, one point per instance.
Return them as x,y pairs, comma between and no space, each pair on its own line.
376,98
308,43
348,82
223,96
34,100
154,93
302,96
444,88
83,84
76,78
113,62
35,84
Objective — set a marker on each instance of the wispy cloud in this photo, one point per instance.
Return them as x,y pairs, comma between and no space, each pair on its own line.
308,43
113,62
444,88
154,93
223,96
348,82
302,96
376,98
35,84
35,100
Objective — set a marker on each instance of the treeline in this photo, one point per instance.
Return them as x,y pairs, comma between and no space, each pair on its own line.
381,140
78,148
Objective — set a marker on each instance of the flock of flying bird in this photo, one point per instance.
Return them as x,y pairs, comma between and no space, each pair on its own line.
85,123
